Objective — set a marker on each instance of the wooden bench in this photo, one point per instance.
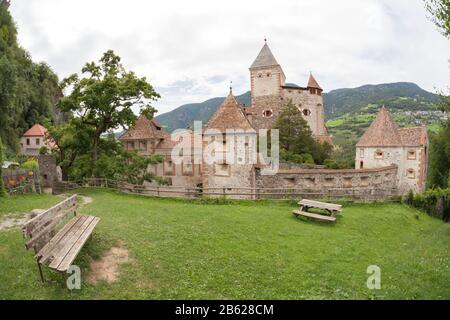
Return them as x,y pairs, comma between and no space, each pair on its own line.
305,205
57,240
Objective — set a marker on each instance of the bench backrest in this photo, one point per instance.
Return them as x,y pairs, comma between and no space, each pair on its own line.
321,205
43,227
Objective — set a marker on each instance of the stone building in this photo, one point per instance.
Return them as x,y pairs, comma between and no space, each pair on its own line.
385,144
229,133
270,94
34,139
148,138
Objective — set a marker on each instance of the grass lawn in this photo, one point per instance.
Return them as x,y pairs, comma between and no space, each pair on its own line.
192,250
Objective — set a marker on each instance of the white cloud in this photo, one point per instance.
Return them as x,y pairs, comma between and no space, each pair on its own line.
191,50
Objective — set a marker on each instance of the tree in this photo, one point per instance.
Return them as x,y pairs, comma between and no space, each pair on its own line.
296,140
439,168
2,188
28,91
104,97
440,14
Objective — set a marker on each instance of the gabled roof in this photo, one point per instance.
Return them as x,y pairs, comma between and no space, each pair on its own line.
264,59
36,131
383,132
413,137
144,129
312,83
229,116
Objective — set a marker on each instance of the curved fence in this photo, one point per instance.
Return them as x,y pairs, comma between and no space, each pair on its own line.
354,194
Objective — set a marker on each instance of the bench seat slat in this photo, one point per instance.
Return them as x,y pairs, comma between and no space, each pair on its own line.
314,216
62,242
68,242
76,248
45,251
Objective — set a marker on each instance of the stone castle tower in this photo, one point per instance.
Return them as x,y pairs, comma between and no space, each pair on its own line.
270,94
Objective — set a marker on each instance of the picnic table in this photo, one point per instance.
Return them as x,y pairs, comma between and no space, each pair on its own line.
331,209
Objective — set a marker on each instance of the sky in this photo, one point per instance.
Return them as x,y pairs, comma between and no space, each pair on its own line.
190,51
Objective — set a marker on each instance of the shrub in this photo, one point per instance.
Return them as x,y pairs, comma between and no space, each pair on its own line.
30,165
435,203
331,164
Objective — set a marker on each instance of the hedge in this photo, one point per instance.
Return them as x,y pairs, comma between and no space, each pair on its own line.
435,203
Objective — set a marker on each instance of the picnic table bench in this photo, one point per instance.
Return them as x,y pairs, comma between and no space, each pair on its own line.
305,205
55,240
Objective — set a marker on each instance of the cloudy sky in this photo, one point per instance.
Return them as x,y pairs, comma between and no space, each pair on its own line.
191,50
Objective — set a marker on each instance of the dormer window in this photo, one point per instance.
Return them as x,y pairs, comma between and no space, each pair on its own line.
267,113
379,155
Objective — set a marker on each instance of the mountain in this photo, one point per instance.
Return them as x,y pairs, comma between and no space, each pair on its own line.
184,116
397,96
366,99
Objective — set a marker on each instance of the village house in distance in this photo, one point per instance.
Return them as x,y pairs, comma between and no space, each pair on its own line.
33,140
390,160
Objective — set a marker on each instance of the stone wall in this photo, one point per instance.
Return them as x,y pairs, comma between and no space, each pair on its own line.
48,170
370,182
312,103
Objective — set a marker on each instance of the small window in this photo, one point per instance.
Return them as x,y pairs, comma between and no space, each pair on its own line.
379,155
222,170
168,168
260,75
28,142
269,74
361,153
143,145
38,141
306,112
411,174
361,165
267,113
411,154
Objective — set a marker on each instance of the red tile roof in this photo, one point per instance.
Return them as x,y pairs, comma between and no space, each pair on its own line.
229,116
36,131
144,129
312,83
384,132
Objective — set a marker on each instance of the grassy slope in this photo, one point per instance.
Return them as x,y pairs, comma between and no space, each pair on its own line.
18,205
183,249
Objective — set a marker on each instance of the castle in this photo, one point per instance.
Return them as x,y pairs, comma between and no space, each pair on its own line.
389,159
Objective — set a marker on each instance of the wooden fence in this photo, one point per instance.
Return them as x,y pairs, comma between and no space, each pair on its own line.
358,194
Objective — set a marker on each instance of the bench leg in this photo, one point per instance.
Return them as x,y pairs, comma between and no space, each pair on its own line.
40,272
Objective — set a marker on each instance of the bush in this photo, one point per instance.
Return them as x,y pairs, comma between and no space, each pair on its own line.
30,165
435,203
331,164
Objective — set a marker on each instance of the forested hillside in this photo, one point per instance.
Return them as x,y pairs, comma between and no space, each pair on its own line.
400,97
28,90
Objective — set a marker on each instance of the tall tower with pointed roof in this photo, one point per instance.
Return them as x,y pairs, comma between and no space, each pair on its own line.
270,94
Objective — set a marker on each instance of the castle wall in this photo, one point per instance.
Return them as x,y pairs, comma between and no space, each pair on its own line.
260,106
266,81
313,103
370,184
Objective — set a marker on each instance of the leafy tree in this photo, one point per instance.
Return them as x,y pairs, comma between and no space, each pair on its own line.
2,188
440,14
28,91
439,168
296,138
103,97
